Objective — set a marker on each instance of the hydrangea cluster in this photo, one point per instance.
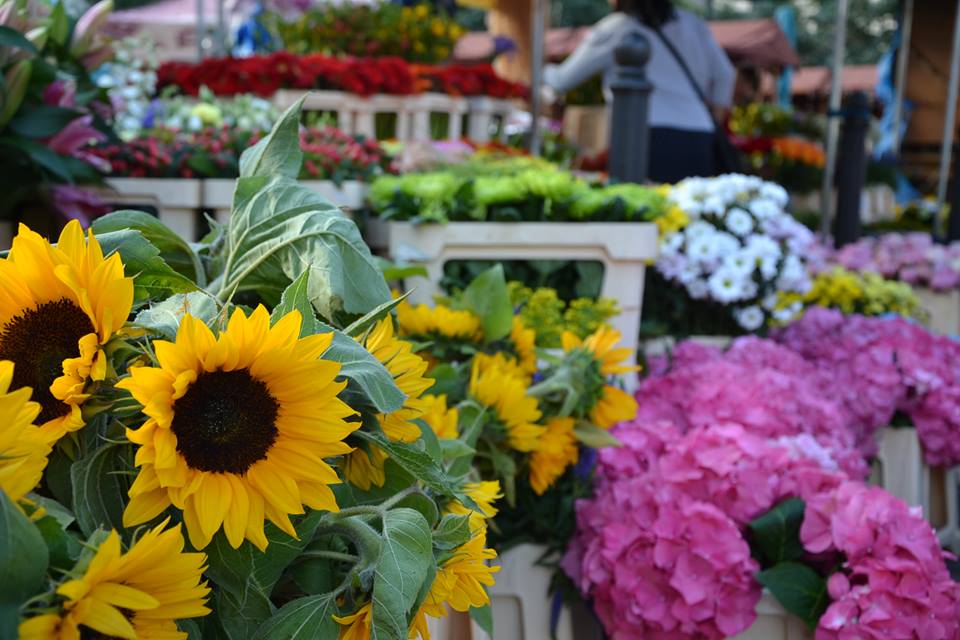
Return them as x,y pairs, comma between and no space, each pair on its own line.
893,582
741,248
875,367
766,388
660,549
913,258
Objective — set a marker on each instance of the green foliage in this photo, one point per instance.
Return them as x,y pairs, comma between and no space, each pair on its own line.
488,298
24,557
775,535
543,309
800,589
401,569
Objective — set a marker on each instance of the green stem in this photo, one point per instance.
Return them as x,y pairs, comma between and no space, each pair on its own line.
328,555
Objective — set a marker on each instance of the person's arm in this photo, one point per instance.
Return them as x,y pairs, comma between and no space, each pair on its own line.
722,75
591,58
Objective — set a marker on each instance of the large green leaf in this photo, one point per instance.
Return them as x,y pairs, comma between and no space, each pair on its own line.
800,589
247,568
366,376
13,38
153,278
417,462
360,325
279,153
775,535
283,228
241,615
452,532
100,485
295,297
488,297
405,554
23,560
164,318
42,121
308,618
174,250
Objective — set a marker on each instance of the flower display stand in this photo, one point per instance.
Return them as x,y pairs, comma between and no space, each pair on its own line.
177,202
588,127
775,623
218,195
483,115
943,310
899,468
877,202
421,107
356,115
624,249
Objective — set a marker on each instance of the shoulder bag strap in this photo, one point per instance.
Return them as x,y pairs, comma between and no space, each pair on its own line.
686,71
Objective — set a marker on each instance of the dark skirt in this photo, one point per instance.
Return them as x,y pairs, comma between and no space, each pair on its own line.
676,154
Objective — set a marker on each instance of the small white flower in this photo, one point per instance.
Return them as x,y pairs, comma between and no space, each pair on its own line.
726,286
739,222
750,318
703,248
671,244
742,262
764,208
769,302
689,272
726,244
697,229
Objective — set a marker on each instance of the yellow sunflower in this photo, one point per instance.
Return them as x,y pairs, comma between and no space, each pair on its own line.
484,494
438,417
557,451
407,369
461,580
504,362
58,306
137,594
365,468
506,395
614,405
238,428
440,320
23,449
525,342
356,626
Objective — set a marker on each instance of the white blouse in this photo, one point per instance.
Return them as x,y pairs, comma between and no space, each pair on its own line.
673,102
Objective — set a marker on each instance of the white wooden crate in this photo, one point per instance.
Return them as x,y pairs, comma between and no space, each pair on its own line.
624,249
177,201
899,468
356,115
218,194
943,310
775,623
422,106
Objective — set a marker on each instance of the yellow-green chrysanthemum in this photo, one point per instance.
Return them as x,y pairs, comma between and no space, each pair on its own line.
23,448
238,427
495,388
137,594
440,320
356,626
557,451
444,421
614,405
58,306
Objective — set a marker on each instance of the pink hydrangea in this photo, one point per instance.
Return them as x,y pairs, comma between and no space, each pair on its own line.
875,367
893,583
659,564
913,258
758,384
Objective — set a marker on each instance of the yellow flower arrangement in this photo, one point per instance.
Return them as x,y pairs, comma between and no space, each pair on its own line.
23,449
441,320
238,428
524,342
439,417
483,494
59,305
137,594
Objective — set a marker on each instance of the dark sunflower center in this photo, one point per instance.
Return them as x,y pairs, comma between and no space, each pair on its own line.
225,422
37,342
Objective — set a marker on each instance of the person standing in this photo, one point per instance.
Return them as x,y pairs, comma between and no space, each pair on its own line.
692,80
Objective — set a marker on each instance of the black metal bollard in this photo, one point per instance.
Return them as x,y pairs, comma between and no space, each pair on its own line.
953,221
629,126
851,168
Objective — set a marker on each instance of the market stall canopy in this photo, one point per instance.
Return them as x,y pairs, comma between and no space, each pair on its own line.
758,43
810,81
